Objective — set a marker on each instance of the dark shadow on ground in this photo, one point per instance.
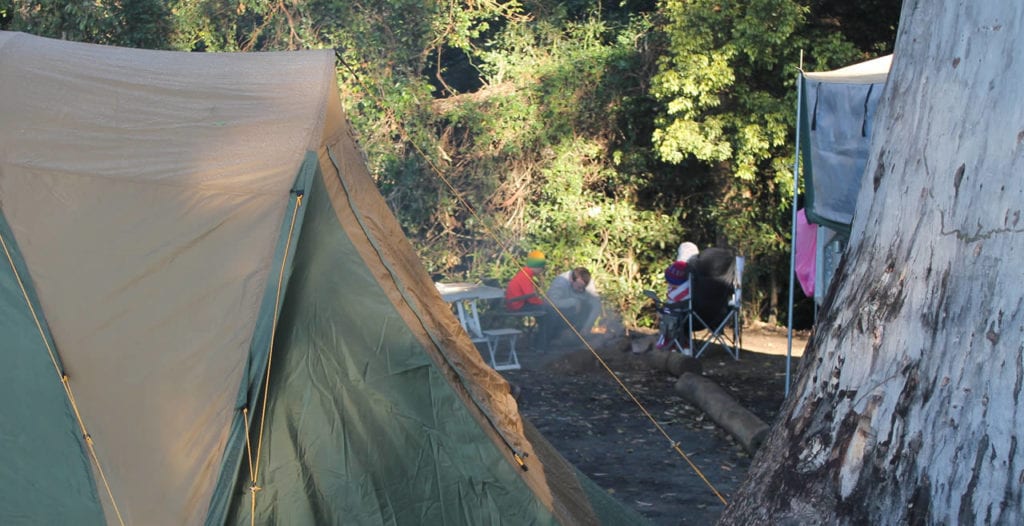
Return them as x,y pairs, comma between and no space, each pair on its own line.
585,413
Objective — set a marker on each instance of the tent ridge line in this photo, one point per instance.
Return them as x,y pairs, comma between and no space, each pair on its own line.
252,379
517,455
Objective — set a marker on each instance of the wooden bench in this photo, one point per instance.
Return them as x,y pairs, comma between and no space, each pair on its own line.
526,320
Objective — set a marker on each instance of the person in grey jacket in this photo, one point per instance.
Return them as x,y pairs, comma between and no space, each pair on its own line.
574,295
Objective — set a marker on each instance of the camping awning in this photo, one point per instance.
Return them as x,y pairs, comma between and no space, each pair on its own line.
874,71
838,108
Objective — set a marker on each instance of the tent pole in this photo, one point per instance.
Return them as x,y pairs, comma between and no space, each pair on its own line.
792,239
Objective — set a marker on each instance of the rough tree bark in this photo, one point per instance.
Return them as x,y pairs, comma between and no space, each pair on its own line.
908,406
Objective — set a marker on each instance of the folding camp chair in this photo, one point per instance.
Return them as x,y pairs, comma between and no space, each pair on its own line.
715,300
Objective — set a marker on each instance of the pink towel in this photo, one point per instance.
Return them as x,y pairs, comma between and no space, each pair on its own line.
806,244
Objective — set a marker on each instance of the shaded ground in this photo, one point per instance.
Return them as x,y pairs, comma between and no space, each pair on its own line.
595,424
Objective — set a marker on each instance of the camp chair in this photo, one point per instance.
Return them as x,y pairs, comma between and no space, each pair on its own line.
715,300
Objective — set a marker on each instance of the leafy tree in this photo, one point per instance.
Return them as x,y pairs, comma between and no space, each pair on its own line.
549,120
726,80
139,23
143,24
6,13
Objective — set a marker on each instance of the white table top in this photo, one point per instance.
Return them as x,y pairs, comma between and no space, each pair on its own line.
468,291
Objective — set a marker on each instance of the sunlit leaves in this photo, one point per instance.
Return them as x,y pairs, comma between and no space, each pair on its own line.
549,121
725,83
764,27
704,140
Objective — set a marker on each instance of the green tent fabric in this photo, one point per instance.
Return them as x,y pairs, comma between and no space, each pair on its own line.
358,409
208,314
40,425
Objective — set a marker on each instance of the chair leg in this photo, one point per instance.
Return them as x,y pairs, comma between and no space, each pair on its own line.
698,350
719,335
494,338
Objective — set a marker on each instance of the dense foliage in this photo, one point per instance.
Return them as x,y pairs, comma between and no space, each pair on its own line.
602,134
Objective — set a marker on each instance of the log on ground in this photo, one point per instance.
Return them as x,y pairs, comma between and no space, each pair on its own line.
674,363
749,430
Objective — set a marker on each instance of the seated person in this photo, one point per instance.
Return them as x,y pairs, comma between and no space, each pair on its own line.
677,275
686,251
677,279
521,293
574,295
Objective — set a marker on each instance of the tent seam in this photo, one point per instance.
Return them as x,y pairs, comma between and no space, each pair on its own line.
65,380
519,455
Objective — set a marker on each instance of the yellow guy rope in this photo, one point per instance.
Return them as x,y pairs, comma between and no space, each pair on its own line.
505,247
254,469
675,444
64,380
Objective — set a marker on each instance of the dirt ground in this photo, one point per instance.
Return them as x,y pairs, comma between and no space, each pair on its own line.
589,417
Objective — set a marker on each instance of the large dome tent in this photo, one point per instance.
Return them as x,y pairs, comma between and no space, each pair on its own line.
208,314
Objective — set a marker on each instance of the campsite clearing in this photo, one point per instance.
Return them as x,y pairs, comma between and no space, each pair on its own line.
201,281
590,419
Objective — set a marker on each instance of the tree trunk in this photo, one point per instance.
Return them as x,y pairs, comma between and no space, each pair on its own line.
907,408
751,285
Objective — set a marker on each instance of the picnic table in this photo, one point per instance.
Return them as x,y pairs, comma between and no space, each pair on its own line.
464,298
